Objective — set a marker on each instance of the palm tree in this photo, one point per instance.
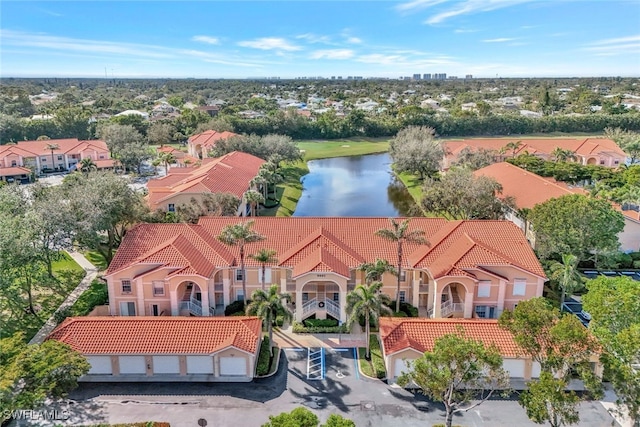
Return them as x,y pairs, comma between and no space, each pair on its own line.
264,256
399,234
267,305
561,155
166,159
373,271
513,146
52,147
240,235
87,165
254,198
567,275
369,302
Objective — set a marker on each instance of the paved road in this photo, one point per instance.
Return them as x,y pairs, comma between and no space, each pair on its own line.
343,390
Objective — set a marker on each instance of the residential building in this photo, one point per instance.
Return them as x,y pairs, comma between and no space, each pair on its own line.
200,144
588,151
529,189
468,269
52,155
231,173
405,340
151,349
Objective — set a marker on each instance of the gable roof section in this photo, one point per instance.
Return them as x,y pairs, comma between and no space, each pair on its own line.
321,260
209,138
158,335
65,146
398,334
527,188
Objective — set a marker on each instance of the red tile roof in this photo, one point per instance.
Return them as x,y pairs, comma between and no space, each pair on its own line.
13,171
231,173
398,334
208,139
305,244
526,187
65,146
158,335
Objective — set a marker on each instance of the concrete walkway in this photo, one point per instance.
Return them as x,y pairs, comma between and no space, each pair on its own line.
285,338
92,273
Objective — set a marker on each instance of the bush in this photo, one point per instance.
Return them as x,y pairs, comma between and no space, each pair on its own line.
399,314
299,328
320,323
405,307
235,307
62,314
279,321
635,256
636,264
96,294
624,260
376,357
264,358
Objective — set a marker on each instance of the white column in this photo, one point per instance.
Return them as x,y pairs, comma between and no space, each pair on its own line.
298,317
437,313
468,305
175,309
502,288
415,299
226,291
112,299
343,304
139,287
205,301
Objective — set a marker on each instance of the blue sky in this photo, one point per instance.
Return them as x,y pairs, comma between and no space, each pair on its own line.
508,38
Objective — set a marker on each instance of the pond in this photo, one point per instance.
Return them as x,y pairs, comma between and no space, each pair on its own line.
353,186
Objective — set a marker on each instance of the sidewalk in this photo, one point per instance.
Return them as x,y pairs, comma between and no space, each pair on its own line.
285,338
92,273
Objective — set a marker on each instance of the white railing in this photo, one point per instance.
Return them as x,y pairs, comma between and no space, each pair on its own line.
332,308
449,307
193,305
311,305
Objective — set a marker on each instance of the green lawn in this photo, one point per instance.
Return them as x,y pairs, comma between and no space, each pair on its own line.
375,367
289,191
344,147
413,184
65,262
96,259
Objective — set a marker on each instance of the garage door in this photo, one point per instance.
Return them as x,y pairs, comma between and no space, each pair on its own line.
99,364
166,365
199,365
132,365
236,366
514,367
535,370
401,366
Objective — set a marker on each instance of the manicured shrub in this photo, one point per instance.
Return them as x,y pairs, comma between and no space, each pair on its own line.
264,358
300,328
235,307
279,321
320,323
410,310
400,314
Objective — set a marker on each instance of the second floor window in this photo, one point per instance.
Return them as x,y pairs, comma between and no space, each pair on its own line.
402,296
239,274
126,286
171,207
158,288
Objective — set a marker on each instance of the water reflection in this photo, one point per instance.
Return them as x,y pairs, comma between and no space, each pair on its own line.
353,186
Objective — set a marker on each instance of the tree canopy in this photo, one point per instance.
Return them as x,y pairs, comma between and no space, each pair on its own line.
415,150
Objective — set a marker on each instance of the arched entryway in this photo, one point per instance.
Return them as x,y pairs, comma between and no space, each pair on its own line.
452,299
190,299
198,149
320,298
592,161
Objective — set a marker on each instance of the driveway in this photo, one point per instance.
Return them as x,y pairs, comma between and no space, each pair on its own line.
342,390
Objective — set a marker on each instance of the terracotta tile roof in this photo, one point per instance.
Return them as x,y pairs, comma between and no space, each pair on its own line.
66,146
209,138
231,173
526,187
15,170
158,335
108,163
330,244
421,334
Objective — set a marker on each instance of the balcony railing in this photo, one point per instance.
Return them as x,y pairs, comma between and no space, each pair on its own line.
449,307
195,307
332,308
309,306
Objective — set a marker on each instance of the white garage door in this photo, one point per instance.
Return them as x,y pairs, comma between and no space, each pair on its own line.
401,366
199,365
132,365
166,365
233,366
514,367
535,370
99,364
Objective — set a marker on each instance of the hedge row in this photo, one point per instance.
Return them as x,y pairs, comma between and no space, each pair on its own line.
299,328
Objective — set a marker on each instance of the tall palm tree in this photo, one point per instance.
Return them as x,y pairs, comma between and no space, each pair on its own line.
267,305
87,165
513,146
52,147
240,235
166,159
373,271
254,198
561,155
369,302
567,275
264,256
400,234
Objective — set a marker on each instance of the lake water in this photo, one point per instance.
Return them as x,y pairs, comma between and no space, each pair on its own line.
353,186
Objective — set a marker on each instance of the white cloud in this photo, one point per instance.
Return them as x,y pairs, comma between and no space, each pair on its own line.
465,30
615,46
270,43
467,7
314,38
617,40
498,40
332,54
354,40
206,39
417,5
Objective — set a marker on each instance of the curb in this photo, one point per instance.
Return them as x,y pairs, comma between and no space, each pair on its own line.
277,362
360,370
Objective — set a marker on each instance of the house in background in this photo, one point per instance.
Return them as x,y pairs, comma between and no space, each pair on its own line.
54,154
231,173
588,151
529,189
470,269
151,349
200,144
405,340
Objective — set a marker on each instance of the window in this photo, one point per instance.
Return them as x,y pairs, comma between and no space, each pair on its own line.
13,163
616,162
602,162
59,157
519,287
402,296
484,289
305,296
126,286
239,274
267,275
101,156
171,207
158,288
155,310
336,297
403,276
43,159
239,295
127,308
485,312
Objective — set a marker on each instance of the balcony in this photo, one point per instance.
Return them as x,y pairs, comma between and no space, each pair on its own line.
449,308
312,306
194,307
